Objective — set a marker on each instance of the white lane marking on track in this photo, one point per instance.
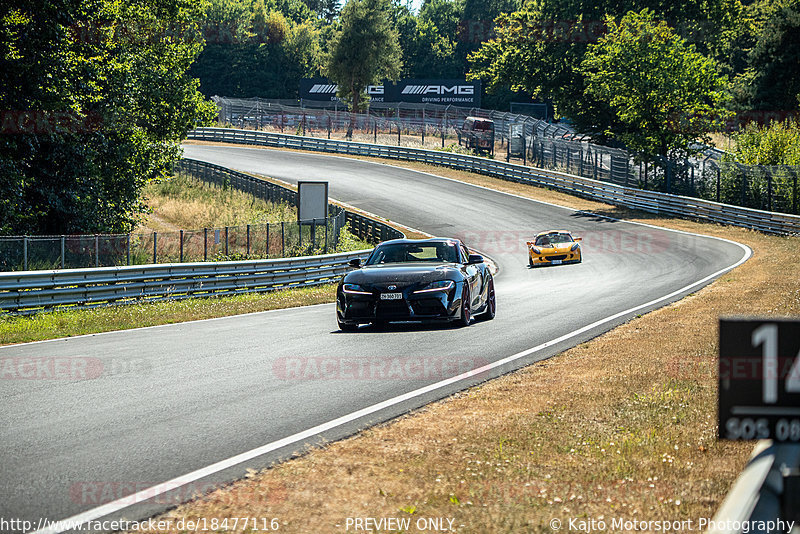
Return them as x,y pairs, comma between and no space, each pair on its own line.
120,504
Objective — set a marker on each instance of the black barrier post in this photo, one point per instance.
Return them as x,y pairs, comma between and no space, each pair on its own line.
128,250
226,241
25,253
155,250
205,244
62,251
267,240
326,234
248,240
283,240
181,247
719,178
423,127
769,192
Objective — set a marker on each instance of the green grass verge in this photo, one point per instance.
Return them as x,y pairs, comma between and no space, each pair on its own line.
68,323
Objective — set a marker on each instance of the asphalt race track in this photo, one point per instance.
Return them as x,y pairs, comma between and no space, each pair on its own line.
153,404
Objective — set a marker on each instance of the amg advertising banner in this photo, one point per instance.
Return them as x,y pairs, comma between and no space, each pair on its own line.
442,92
323,90
417,91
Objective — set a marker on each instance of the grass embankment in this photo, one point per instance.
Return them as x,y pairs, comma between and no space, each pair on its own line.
622,426
181,202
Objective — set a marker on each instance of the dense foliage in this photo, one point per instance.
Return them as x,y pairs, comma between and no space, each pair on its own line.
95,100
776,144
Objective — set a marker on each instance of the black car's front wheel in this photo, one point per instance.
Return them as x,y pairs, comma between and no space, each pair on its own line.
345,327
466,312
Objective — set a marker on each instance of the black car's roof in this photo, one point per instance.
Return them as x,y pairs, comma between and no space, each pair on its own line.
422,241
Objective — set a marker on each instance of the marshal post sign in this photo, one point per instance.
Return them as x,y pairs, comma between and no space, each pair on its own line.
444,92
759,379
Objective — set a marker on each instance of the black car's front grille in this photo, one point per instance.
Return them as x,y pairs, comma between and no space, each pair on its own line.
556,258
428,307
391,308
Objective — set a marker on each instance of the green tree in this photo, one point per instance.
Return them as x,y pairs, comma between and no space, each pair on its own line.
97,101
256,50
365,50
539,48
769,80
665,94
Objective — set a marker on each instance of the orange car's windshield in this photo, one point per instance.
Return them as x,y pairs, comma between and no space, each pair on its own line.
552,240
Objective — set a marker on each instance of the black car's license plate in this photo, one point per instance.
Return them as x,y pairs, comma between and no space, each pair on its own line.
391,296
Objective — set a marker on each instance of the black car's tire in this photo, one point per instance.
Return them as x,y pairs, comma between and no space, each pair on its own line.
491,302
346,327
466,313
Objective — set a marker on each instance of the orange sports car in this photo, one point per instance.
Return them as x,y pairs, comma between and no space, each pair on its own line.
554,247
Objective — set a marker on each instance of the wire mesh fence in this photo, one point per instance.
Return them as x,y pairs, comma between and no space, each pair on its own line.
268,240
536,142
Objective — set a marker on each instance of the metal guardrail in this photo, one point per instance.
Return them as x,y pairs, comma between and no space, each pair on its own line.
649,201
759,494
32,291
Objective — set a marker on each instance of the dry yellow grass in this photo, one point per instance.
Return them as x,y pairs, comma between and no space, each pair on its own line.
189,204
622,426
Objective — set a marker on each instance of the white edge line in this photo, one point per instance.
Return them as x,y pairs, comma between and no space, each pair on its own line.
188,478
144,495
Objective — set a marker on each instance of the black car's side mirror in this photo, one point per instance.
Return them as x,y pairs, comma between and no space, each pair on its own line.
355,262
474,258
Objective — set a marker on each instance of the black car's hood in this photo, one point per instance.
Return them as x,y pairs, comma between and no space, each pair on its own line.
403,273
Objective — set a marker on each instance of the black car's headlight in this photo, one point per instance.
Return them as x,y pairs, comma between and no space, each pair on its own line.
441,285
355,289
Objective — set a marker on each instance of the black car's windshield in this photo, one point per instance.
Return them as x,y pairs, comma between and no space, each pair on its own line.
412,252
550,240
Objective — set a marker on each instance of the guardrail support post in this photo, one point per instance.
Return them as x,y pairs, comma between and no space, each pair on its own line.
62,251
226,240
205,244
181,246
155,247
267,240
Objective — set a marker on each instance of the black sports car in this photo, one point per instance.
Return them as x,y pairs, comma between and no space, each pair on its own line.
416,280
